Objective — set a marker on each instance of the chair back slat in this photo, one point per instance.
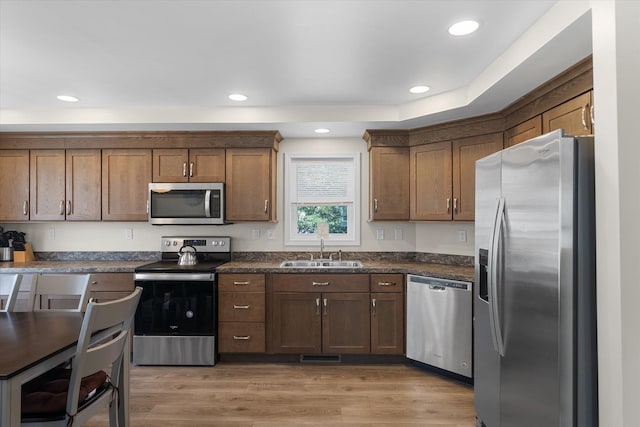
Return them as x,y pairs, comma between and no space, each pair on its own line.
74,286
9,286
103,355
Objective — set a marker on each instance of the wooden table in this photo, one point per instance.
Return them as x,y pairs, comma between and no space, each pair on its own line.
31,343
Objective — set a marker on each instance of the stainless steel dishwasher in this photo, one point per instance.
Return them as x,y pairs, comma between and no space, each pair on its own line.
439,323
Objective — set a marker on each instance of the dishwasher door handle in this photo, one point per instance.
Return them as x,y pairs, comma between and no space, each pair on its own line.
437,288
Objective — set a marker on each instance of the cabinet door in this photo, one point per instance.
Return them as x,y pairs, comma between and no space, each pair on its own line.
389,183
249,185
295,323
14,175
171,165
126,174
83,187
387,323
465,153
47,195
573,116
430,171
523,132
345,323
207,165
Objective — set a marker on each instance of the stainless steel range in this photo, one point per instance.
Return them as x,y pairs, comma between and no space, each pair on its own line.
176,320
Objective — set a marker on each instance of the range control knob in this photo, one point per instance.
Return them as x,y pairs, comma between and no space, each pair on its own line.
214,243
167,243
221,242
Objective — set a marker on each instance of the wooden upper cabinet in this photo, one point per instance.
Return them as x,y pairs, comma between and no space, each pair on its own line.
389,183
250,184
47,196
83,185
431,181
465,153
523,132
126,174
189,165
14,176
574,116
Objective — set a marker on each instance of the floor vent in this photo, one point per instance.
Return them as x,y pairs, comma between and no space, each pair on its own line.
320,358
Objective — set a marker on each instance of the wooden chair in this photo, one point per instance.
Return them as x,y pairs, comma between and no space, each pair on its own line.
9,286
86,382
51,287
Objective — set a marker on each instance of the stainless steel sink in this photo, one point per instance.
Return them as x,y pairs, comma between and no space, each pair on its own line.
320,263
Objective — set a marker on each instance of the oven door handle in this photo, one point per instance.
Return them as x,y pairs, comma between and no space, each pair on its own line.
186,277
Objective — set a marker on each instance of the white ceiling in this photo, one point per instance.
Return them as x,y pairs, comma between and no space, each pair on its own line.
346,65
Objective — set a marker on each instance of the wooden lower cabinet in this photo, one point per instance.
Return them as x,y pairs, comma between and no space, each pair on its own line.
387,313
102,287
241,313
335,314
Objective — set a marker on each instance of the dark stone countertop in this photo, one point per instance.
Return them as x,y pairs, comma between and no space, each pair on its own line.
445,271
70,266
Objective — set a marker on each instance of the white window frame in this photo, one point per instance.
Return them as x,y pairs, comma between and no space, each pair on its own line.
292,238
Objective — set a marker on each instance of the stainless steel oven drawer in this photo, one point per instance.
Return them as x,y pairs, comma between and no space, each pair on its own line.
174,350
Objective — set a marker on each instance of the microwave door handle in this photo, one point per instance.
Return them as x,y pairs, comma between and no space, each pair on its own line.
207,203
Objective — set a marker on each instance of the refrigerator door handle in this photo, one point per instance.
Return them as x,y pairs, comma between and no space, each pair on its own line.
494,311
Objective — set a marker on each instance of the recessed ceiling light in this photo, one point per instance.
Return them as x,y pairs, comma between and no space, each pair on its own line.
67,98
237,97
463,28
419,89
322,130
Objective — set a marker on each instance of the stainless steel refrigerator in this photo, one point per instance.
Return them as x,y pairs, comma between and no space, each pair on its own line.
534,295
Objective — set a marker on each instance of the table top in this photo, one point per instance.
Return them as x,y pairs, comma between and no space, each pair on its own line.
30,337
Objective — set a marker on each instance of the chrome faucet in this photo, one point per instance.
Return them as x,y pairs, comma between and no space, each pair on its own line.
321,248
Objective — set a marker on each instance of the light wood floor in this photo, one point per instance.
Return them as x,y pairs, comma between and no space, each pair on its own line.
270,395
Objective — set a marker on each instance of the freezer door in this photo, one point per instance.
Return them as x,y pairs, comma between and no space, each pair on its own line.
534,290
486,360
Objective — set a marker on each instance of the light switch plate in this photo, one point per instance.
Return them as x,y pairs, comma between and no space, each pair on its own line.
255,234
128,233
398,234
380,234
462,236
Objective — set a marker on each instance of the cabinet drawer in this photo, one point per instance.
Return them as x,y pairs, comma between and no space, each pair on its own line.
321,282
235,337
111,282
241,306
241,283
387,282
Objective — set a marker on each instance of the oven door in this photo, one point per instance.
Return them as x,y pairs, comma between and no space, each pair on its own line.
175,323
175,308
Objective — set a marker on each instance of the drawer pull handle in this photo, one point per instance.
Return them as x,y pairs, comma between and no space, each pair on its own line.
95,282
386,284
240,307
317,305
241,283
242,337
319,283
373,305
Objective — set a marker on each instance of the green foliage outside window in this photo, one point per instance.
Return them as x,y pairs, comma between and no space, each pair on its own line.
310,216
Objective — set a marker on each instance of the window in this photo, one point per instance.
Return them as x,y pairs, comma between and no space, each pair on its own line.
322,188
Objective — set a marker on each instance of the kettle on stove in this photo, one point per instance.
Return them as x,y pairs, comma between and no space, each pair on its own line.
187,257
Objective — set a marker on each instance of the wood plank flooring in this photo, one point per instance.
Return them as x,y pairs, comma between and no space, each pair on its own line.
270,395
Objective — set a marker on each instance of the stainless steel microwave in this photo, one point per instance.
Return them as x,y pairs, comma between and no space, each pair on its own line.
186,203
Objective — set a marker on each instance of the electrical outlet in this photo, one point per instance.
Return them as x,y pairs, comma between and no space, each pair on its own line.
52,233
269,234
462,236
255,234
380,233
128,233
398,234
